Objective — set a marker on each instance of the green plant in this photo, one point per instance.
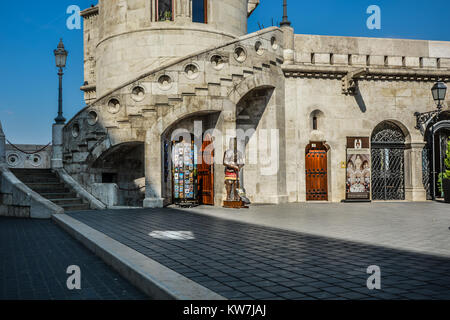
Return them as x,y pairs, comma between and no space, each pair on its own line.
166,16
446,174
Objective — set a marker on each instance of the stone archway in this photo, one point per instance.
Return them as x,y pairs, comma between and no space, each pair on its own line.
123,165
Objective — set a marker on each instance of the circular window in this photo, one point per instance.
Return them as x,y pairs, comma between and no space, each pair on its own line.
259,48
113,106
274,43
138,94
239,54
92,118
13,160
36,160
165,82
217,62
191,71
75,130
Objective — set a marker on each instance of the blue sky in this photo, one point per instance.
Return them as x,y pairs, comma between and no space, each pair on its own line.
31,31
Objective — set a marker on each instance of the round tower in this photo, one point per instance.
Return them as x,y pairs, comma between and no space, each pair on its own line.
133,36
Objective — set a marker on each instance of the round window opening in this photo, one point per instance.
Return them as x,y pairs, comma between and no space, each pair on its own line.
92,118
259,48
75,130
13,160
36,160
165,82
191,71
274,43
138,94
239,54
217,62
113,106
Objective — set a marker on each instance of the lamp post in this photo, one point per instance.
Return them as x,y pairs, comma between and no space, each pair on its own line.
438,91
60,58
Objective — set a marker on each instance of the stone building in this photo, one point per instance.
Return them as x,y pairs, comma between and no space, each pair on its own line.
153,67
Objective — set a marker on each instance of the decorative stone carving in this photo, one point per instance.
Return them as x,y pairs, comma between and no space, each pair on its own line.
165,82
113,106
138,93
217,62
191,71
240,54
92,118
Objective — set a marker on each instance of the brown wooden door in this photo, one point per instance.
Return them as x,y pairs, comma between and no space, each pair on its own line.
316,174
206,174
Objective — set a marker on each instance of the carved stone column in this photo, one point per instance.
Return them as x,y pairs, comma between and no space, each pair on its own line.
414,188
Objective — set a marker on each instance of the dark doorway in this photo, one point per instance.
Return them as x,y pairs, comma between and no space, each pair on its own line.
316,172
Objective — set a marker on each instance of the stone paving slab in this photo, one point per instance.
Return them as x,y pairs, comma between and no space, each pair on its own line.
419,226
35,255
154,279
247,261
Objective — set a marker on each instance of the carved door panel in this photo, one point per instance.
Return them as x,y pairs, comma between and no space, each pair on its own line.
316,175
206,174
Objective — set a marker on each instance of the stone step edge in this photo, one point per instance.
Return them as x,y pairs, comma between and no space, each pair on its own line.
154,279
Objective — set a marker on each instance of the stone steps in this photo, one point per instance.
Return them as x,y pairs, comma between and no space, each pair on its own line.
48,185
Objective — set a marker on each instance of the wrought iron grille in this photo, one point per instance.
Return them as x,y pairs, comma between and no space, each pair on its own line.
388,162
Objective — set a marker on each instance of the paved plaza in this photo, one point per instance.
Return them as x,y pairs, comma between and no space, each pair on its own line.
35,255
298,251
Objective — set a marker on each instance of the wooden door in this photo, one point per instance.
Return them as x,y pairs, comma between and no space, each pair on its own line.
316,173
206,174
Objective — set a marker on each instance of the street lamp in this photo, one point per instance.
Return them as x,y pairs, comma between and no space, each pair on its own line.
60,58
438,91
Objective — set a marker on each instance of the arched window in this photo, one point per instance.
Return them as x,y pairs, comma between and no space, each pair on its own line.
315,126
165,10
200,11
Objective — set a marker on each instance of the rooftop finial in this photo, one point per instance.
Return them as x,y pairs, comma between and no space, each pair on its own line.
285,22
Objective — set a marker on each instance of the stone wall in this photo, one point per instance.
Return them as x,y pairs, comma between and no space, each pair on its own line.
17,159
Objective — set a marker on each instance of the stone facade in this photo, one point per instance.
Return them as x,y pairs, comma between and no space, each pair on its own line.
145,78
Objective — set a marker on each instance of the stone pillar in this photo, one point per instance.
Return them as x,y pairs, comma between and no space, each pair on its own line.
414,189
288,45
153,170
57,146
2,146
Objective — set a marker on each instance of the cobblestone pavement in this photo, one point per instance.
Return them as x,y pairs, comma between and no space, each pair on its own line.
248,261
35,255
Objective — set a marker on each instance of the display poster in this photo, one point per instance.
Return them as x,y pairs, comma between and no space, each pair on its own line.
358,169
184,171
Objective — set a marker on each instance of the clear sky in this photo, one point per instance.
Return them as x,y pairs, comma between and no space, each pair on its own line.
31,31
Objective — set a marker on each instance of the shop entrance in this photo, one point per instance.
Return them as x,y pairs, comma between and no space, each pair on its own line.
316,172
188,153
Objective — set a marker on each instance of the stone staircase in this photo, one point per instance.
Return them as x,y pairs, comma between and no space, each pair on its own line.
48,185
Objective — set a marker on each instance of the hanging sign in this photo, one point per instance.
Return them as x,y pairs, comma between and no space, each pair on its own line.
358,169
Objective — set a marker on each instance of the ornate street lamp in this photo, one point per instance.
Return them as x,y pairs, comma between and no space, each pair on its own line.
438,91
60,58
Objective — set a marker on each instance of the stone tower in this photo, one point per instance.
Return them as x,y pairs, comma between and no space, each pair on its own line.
154,67
124,37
